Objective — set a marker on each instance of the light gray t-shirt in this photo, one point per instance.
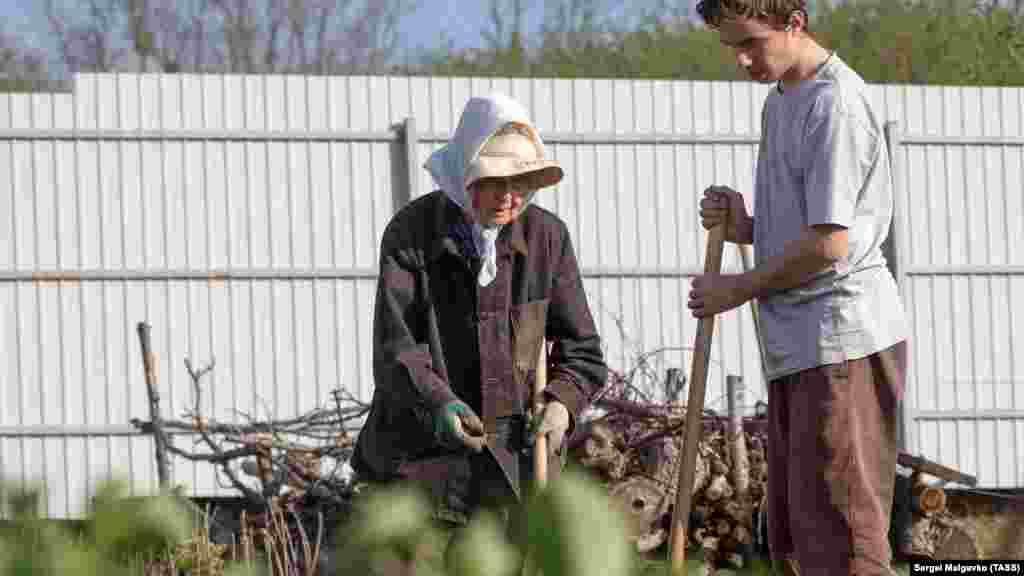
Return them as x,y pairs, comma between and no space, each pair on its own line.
823,159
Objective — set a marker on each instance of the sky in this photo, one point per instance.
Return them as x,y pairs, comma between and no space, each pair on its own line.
461,19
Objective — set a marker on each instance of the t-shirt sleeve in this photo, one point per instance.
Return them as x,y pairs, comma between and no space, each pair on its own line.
839,152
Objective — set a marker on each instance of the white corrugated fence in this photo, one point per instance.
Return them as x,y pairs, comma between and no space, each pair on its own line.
240,216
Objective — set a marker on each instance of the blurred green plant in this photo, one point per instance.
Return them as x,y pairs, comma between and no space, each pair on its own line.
118,534
572,529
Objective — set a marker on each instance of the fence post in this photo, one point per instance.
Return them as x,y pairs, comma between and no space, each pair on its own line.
411,140
893,247
159,436
893,250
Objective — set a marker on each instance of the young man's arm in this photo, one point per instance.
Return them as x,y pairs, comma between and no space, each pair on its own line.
841,153
817,250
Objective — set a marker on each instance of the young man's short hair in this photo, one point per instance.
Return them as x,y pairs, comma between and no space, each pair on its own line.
713,12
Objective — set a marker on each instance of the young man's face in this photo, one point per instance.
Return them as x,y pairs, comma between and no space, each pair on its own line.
499,200
764,50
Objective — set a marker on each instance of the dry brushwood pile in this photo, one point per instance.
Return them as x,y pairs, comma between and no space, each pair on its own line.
634,449
292,475
289,473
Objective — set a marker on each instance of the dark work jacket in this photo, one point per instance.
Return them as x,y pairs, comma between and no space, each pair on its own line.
438,335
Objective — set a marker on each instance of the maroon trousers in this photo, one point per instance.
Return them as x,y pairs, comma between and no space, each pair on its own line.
832,464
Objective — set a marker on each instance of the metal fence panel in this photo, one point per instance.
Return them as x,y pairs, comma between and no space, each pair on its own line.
962,175
240,216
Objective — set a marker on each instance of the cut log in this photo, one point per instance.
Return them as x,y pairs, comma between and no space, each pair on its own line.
640,455
960,542
599,452
928,500
718,489
703,513
735,560
651,541
712,554
737,440
655,458
735,511
741,534
600,442
719,467
644,502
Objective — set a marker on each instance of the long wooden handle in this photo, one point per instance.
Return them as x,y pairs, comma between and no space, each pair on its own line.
694,411
747,259
540,447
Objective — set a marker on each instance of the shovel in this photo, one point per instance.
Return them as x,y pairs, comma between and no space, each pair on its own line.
694,411
540,446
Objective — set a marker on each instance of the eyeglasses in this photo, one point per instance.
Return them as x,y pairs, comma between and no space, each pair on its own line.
520,185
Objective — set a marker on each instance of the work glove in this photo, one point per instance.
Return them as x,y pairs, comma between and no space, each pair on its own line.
552,422
457,426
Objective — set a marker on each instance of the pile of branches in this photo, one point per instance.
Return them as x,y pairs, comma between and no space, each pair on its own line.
634,449
291,473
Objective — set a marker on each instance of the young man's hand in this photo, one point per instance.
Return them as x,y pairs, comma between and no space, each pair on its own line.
723,205
712,294
456,425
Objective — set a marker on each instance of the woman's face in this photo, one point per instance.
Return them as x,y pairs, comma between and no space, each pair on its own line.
498,201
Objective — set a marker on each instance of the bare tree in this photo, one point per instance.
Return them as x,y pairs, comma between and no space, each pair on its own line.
310,36
86,43
19,62
174,33
237,36
574,24
240,28
367,34
507,24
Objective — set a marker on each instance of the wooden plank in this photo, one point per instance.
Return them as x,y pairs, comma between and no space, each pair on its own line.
935,469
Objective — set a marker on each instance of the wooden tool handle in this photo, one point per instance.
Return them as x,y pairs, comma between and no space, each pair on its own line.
694,411
540,447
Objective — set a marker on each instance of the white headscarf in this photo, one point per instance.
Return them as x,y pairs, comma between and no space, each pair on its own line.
481,118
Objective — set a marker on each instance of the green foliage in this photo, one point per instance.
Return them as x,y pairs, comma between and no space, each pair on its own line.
118,538
887,41
127,528
485,550
572,529
926,42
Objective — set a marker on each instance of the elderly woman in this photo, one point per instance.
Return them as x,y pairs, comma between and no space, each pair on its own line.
472,277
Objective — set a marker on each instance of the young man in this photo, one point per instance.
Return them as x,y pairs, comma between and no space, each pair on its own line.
473,278
832,322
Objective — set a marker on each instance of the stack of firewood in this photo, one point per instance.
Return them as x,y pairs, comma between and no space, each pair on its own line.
634,450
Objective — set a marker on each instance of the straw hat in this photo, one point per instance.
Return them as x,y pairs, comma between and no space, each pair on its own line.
513,151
